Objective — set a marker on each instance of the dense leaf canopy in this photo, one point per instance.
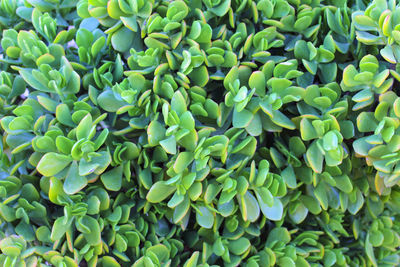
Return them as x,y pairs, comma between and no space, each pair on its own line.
199,133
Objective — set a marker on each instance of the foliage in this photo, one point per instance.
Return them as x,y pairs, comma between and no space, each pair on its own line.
199,133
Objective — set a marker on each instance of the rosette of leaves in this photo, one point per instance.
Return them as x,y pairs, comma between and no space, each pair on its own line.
262,112
45,25
216,8
256,45
371,79
322,189
326,142
90,45
63,82
123,19
281,248
26,48
338,20
379,240
229,247
167,31
379,145
73,224
378,25
305,19
219,55
11,87
144,62
76,157
23,216
200,33
63,10
15,252
199,133
27,121
20,206
9,17
314,59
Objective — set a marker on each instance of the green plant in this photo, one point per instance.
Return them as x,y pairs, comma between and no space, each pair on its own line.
199,133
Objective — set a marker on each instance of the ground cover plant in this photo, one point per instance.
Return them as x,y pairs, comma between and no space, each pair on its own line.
199,133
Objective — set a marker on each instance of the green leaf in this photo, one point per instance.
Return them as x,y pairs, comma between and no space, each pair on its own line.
206,218
181,210
169,145
161,251
52,163
242,119
257,81
315,157
222,8
321,194
388,55
239,246
122,39
60,227
369,250
159,191
84,127
249,207
74,182
274,212
112,179
182,161
192,261
155,133
281,120
93,236
178,103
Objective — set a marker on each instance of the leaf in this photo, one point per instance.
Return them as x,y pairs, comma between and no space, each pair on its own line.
321,194
182,161
257,81
241,119
388,55
181,210
122,39
161,251
255,126
222,8
206,218
159,191
369,250
93,236
178,103
52,163
84,127
274,212
239,246
74,182
299,214
289,177
112,179
315,157
60,227
169,145
155,133
281,120
192,261
307,130
249,207
56,191
32,81
330,141
108,101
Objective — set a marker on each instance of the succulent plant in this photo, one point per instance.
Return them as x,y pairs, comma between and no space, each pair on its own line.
199,133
